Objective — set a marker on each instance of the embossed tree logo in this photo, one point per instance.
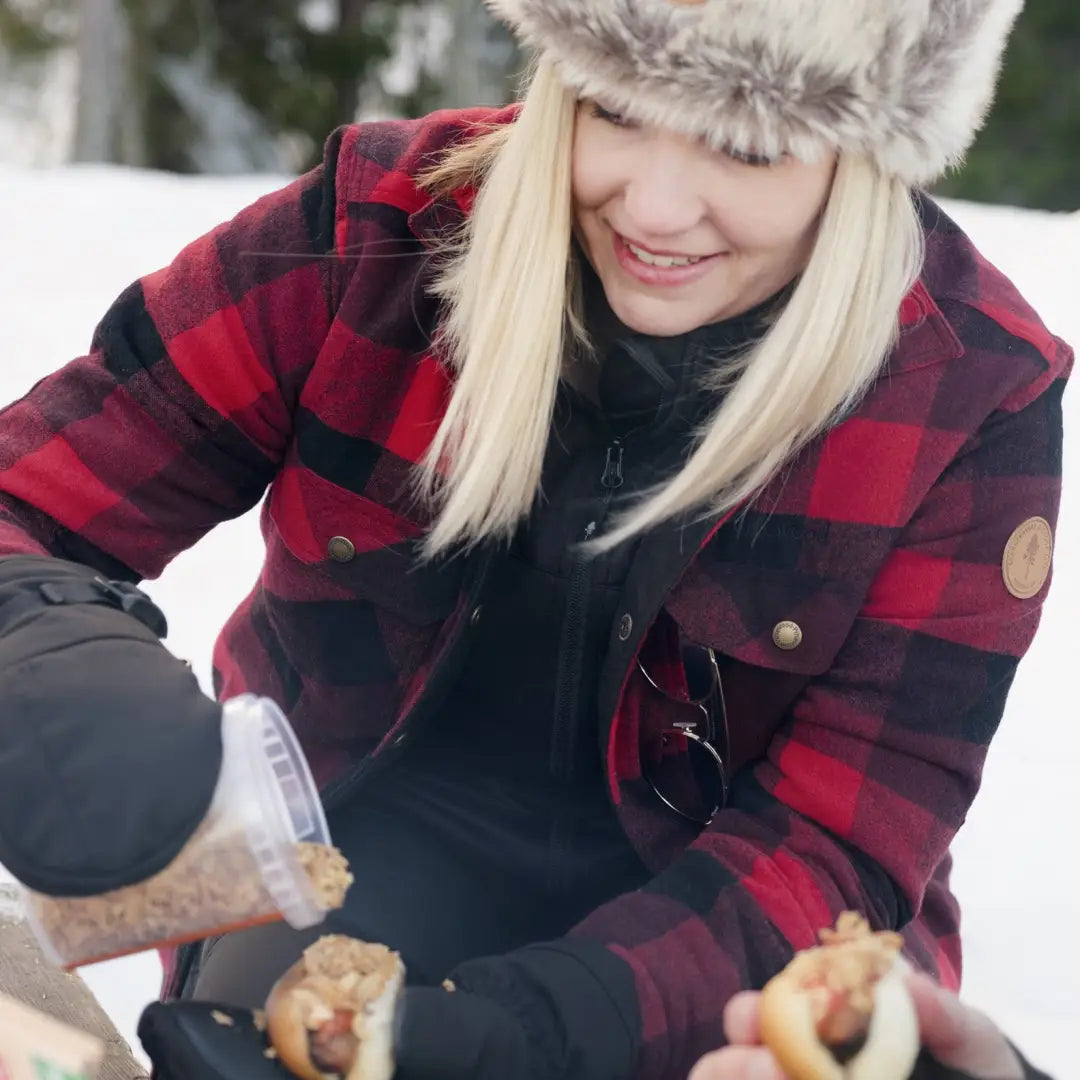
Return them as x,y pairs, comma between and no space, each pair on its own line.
1031,557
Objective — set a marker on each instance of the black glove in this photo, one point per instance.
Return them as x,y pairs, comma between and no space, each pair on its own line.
927,1067
109,751
562,1010
459,1036
189,1040
558,1011
439,1036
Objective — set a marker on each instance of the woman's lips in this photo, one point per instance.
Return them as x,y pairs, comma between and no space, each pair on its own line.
669,276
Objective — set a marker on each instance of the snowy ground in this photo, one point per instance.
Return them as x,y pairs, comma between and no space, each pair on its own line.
75,238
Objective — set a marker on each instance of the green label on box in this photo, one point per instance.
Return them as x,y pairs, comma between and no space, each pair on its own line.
48,1070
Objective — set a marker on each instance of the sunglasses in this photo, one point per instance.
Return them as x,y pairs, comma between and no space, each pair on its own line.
683,763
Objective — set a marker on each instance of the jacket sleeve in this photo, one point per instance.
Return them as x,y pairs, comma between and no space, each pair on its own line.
861,791
178,416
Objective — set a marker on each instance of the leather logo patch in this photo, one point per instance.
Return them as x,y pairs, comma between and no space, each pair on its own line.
1025,565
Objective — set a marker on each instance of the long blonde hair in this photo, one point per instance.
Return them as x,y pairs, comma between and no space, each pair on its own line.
511,311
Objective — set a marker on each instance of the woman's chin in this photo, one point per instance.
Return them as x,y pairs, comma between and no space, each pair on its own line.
660,318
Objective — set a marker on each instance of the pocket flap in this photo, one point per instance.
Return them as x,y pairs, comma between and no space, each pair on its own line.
368,549
787,620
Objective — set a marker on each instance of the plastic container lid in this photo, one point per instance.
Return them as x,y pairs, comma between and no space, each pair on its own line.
262,747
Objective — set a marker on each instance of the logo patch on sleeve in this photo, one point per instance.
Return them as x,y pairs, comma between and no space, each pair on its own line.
1025,565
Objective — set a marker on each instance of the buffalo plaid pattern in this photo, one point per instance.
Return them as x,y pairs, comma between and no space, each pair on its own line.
290,352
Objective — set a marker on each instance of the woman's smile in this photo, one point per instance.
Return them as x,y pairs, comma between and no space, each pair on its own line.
660,269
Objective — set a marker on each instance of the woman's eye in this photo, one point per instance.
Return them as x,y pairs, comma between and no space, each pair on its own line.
608,116
756,161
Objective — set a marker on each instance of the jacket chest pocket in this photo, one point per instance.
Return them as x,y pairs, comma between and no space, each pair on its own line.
363,549
773,631
784,620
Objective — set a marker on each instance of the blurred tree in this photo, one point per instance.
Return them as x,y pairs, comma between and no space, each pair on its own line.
231,85
206,85
481,59
449,54
32,67
237,85
31,28
107,122
1029,152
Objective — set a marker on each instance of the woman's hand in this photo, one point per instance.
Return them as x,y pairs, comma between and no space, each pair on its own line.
744,1058
109,750
959,1037
444,1036
959,1042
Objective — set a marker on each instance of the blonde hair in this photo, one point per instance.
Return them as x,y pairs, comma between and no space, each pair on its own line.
511,312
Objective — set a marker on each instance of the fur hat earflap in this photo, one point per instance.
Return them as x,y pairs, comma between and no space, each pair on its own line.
907,81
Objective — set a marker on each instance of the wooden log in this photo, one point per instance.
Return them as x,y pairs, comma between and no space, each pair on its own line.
27,976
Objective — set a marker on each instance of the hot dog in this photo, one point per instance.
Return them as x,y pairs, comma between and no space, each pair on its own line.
841,1010
331,1015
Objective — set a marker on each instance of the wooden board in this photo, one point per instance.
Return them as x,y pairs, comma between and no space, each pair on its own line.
28,977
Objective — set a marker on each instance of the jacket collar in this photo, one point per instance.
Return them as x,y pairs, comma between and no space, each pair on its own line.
926,336
434,219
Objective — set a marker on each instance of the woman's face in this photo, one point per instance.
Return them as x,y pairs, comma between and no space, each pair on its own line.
682,235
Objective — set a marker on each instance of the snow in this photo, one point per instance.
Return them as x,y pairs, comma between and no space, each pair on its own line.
76,236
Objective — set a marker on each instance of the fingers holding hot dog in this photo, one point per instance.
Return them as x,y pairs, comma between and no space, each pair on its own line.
841,1011
332,1013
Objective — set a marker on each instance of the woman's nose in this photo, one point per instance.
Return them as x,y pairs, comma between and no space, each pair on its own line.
660,198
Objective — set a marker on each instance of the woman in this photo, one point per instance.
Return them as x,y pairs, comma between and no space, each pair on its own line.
661,497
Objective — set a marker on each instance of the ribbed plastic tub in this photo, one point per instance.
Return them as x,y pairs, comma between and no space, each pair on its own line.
244,866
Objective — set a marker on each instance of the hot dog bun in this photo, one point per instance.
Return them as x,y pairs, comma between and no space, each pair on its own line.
332,1013
841,1011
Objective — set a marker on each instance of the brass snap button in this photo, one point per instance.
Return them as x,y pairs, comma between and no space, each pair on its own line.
626,628
341,549
787,635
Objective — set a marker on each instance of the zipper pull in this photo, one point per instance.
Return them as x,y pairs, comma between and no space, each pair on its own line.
589,530
613,474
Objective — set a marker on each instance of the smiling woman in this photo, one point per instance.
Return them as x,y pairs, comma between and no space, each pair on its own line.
644,467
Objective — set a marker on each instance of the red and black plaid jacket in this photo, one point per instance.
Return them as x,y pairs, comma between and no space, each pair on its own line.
288,352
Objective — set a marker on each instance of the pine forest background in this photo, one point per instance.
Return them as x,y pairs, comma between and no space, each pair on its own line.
240,86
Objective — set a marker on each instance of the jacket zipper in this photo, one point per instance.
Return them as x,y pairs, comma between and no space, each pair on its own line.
564,737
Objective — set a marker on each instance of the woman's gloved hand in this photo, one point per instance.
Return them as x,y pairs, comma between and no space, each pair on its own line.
538,1013
190,1040
459,1036
439,1036
109,750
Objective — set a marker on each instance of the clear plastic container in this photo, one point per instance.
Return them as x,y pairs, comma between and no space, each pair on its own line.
261,855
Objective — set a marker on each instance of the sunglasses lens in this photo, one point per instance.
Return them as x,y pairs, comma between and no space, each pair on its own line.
684,765
687,776
700,674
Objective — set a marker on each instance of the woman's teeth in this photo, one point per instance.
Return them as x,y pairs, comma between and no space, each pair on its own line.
663,261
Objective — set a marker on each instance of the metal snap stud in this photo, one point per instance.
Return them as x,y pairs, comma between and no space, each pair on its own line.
787,635
341,549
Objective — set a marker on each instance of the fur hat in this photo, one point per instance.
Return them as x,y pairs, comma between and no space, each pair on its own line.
907,81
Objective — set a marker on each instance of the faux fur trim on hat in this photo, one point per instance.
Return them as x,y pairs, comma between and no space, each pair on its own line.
907,81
